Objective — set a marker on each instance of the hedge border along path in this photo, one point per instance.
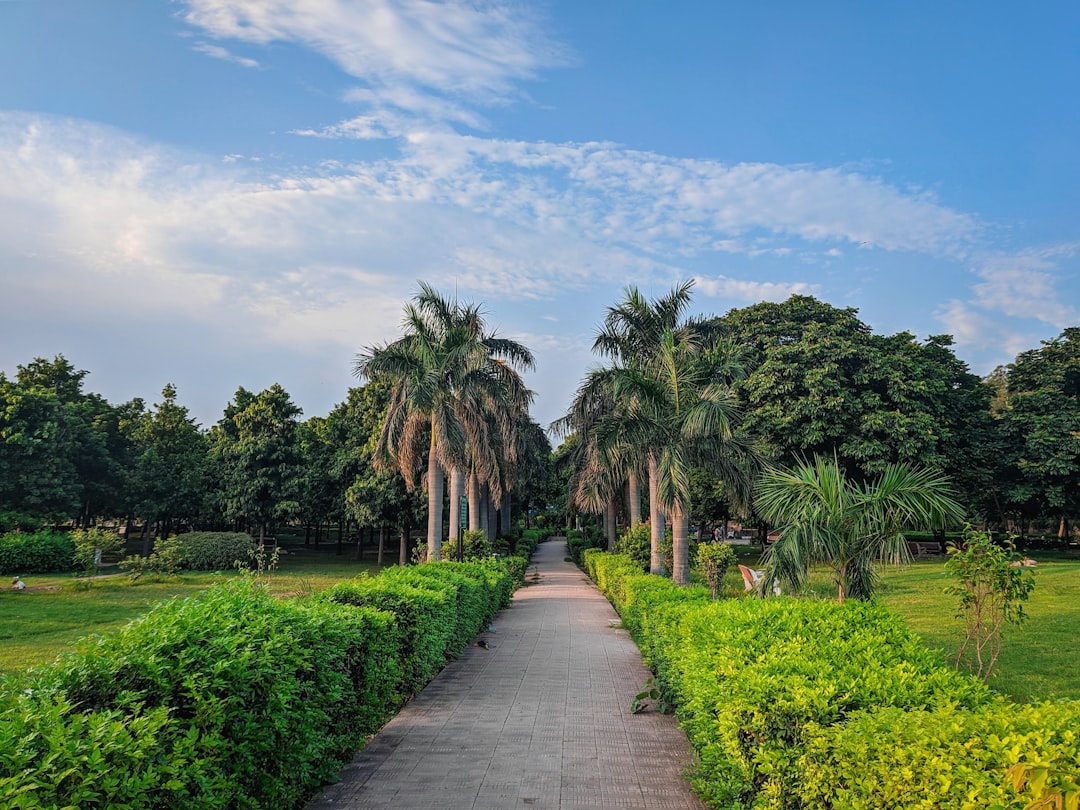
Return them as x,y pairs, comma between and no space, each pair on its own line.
541,719
229,699
806,705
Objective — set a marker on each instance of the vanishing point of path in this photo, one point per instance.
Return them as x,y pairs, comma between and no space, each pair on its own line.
540,720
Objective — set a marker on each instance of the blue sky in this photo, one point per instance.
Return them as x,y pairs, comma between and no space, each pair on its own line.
217,193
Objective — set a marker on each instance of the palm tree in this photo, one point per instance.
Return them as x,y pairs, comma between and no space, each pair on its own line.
631,335
683,409
845,525
449,376
664,405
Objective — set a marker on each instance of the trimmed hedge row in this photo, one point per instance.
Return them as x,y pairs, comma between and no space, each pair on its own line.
235,698
800,704
43,552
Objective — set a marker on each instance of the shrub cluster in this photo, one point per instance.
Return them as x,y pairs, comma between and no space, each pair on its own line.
209,551
802,704
235,698
43,552
579,541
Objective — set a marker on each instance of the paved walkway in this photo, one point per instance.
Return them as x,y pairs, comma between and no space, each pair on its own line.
539,720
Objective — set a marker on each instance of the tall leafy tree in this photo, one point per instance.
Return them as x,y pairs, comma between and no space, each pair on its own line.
845,524
255,451
449,376
1042,422
38,479
819,381
171,462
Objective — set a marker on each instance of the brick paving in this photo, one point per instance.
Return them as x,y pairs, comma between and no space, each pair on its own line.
539,720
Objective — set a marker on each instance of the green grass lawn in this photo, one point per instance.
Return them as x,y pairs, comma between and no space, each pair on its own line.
1040,660
51,616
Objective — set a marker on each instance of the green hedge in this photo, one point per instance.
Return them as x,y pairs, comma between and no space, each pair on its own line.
43,552
579,542
939,758
805,704
235,698
210,551
425,617
265,698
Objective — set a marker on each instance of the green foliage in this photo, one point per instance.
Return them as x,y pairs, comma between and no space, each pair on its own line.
515,567
1048,787
636,543
475,545
265,697
750,677
845,524
820,382
1000,755
209,551
90,547
43,552
652,695
1042,424
96,760
162,563
713,561
992,586
578,542
423,615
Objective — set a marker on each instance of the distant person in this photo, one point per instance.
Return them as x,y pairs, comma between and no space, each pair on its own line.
18,584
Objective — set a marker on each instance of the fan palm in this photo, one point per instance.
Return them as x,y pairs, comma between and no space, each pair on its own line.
449,379
847,526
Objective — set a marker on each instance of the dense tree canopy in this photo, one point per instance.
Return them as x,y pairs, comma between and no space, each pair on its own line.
816,381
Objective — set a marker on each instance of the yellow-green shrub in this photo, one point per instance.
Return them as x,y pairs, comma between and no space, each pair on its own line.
946,757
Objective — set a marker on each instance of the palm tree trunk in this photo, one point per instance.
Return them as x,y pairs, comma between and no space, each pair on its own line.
610,529
680,545
504,514
492,518
656,522
436,486
633,492
474,503
457,486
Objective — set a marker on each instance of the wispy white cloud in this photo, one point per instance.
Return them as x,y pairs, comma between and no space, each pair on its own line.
748,291
217,52
416,60
1025,284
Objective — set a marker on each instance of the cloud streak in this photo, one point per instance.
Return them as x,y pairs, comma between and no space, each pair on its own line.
415,60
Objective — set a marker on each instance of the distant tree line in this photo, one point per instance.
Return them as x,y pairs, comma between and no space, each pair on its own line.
69,457
442,420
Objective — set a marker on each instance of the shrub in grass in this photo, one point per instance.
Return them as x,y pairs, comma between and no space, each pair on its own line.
269,696
43,552
209,551
474,545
